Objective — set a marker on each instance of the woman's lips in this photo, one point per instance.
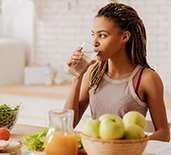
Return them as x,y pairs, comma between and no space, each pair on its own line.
97,53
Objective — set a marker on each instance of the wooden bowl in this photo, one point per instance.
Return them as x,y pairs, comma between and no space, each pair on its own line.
82,152
94,146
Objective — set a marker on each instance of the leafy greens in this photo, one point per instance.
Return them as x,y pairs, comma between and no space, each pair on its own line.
35,142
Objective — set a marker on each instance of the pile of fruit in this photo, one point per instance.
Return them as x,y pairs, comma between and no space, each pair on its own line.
110,126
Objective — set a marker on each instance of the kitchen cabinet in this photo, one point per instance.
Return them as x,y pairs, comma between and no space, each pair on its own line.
36,102
12,61
34,110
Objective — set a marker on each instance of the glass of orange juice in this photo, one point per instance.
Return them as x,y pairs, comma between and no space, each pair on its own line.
61,138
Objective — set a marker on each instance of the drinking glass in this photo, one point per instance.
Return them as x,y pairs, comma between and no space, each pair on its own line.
78,66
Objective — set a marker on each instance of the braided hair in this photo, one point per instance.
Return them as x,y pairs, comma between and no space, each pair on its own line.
127,19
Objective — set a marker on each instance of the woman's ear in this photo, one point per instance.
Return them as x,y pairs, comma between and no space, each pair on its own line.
126,35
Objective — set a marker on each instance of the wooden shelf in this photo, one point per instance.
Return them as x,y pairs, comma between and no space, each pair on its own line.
59,92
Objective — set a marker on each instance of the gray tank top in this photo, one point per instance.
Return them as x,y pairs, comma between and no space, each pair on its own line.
116,97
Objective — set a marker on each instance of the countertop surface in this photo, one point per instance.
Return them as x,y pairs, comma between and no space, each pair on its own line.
168,102
54,91
36,90
19,131
153,147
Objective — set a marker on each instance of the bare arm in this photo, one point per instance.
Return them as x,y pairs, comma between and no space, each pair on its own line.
153,88
78,97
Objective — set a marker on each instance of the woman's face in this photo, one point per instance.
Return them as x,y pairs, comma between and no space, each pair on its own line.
108,39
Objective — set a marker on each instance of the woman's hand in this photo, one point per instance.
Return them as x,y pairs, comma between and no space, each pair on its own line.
76,58
77,55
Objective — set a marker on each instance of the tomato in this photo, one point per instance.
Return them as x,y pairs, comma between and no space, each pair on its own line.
4,133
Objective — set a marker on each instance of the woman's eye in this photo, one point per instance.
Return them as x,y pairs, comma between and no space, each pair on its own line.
102,35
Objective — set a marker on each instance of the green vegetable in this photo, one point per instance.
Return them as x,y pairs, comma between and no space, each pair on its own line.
8,115
35,142
80,145
6,108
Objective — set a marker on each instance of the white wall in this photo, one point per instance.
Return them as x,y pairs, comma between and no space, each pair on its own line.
61,26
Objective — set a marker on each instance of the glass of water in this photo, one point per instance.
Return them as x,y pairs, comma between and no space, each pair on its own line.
78,67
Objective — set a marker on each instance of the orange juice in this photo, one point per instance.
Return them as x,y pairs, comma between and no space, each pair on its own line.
61,143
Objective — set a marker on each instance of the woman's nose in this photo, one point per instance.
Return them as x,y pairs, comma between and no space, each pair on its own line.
95,43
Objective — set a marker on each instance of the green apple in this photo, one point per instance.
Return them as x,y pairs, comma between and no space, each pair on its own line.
111,127
91,128
109,116
133,131
134,117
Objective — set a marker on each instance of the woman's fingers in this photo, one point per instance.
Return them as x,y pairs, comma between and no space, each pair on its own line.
77,55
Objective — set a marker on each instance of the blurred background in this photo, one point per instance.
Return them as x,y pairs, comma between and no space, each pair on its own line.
38,36
50,30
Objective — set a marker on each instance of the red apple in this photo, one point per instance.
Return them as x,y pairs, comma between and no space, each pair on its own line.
4,133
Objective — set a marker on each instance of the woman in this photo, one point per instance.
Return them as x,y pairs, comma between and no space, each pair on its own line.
121,80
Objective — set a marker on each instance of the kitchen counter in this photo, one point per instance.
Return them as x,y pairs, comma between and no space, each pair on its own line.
153,147
33,97
19,131
36,90
168,102
36,101
47,91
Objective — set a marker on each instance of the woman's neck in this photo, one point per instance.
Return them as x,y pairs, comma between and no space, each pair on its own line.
119,70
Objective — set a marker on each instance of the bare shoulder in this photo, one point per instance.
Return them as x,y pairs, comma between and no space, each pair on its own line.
151,81
150,75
